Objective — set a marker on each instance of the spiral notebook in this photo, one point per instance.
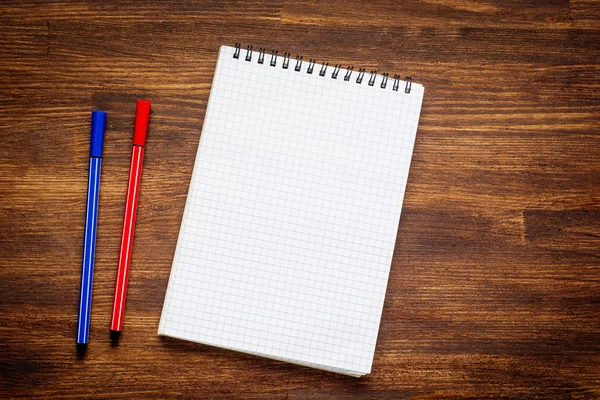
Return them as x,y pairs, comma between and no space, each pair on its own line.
291,217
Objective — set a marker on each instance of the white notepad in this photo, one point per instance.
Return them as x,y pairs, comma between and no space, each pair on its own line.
292,212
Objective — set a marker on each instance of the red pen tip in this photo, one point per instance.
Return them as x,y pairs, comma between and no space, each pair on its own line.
142,114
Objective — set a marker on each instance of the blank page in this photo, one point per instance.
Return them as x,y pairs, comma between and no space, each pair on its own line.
292,213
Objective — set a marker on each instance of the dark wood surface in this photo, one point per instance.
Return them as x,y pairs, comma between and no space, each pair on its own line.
495,285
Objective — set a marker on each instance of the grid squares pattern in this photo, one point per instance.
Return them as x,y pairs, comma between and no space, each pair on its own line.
292,213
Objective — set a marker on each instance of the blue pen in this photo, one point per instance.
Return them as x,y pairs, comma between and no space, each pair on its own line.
91,219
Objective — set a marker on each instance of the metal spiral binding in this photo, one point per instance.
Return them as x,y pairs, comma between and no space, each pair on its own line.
348,72
361,73
384,80
372,78
311,66
396,84
323,71
336,71
273,58
286,60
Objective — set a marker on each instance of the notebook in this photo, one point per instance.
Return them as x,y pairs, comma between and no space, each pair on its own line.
292,212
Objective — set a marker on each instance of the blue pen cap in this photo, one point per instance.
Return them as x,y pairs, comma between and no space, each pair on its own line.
97,134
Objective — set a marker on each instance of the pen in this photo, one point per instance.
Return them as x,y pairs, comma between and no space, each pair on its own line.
142,114
91,219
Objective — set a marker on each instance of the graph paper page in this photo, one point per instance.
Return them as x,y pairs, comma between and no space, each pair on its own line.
292,213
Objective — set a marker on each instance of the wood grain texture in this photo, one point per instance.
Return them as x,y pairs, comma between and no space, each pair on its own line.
495,285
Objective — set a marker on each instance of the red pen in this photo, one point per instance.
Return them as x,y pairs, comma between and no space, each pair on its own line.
142,113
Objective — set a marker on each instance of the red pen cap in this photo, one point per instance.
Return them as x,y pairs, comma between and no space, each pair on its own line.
142,114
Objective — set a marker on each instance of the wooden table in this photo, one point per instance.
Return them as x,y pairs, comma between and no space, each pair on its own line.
495,285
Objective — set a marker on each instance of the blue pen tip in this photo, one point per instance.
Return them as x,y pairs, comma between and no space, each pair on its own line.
97,133
81,348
